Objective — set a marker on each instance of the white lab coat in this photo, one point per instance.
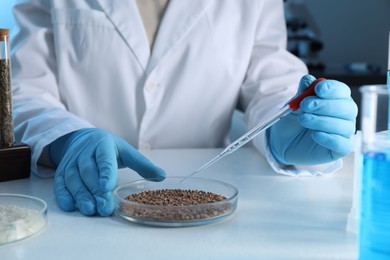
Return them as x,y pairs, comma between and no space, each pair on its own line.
80,64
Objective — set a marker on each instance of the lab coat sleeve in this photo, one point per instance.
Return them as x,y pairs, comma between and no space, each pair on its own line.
39,115
272,79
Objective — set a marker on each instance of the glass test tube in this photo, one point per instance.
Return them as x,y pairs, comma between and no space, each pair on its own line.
6,127
374,228
388,65
388,76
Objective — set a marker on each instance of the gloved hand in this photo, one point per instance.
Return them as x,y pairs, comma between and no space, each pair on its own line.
320,130
88,162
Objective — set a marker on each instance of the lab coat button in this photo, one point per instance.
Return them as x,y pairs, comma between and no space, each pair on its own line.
151,86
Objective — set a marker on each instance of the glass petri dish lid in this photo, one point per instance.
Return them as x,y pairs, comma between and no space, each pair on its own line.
21,216
172,203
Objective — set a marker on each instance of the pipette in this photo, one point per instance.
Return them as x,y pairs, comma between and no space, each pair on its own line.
293,105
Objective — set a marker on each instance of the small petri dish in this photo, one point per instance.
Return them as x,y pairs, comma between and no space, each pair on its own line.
21,216
191,213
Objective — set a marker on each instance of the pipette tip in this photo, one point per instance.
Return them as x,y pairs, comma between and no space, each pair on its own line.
189,176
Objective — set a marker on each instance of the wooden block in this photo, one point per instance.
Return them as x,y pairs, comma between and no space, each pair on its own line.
15,162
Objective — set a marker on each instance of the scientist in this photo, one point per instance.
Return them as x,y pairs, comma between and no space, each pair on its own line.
96,80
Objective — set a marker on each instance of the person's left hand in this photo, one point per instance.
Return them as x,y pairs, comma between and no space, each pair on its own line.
322,128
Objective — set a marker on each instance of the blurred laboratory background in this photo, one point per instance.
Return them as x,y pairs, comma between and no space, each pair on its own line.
346,40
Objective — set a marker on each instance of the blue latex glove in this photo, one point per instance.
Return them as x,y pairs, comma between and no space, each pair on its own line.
88,162
320,130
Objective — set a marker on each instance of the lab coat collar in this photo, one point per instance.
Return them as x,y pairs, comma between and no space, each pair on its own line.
127,20
180,16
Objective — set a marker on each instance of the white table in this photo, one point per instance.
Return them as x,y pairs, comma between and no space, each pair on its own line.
278,217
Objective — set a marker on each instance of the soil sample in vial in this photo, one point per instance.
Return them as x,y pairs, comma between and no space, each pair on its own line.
6,126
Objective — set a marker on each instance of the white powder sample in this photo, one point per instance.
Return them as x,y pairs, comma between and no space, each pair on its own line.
18,222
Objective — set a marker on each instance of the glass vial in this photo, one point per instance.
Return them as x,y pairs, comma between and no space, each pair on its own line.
6,127
374,228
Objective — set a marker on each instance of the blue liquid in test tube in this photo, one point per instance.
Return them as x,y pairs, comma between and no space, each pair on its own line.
375,204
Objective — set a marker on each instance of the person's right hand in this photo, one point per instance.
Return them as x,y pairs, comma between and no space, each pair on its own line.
88,162
321,130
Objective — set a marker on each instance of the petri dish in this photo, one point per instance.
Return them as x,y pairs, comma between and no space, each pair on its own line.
21,216
176,215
